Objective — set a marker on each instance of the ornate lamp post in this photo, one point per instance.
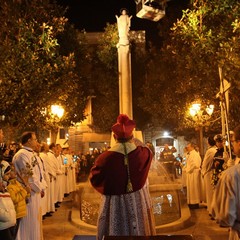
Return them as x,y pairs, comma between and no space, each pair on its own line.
201,115
57,112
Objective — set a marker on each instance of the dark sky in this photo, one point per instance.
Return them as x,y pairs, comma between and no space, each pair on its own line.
93,15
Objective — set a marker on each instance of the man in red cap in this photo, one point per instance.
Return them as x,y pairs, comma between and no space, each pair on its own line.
120,175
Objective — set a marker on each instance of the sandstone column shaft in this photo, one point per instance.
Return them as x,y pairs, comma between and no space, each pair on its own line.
125,80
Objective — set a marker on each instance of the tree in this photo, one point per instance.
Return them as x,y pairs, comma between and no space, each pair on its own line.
206,37
35,71
105,75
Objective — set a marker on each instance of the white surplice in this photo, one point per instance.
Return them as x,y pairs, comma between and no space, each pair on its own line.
52,176
30,225
45,202
66,175
193,165
71,173
54,165
60,175
207,167
226,201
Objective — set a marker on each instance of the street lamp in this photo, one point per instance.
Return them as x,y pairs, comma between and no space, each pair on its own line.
201,115
57,110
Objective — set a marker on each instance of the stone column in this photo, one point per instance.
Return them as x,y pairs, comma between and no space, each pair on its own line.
125,80
124,64
124,70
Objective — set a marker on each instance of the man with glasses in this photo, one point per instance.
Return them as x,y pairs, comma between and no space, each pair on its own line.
226,199
26,165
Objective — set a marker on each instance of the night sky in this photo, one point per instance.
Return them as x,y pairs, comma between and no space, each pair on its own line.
93,15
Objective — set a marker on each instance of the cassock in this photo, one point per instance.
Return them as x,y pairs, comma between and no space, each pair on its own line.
123,213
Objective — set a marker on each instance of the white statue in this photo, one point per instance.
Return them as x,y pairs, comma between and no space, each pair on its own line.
124,23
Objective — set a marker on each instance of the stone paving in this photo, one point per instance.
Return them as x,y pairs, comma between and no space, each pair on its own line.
59,226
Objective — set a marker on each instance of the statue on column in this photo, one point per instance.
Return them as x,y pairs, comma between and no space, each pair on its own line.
124,23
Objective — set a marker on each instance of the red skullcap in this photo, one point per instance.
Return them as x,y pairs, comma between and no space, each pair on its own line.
124,127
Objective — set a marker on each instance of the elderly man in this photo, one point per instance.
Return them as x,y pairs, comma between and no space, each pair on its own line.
27,168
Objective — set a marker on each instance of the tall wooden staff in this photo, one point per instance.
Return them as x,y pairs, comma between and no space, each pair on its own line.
224,103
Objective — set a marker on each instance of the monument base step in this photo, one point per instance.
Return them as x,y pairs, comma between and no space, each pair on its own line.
156,237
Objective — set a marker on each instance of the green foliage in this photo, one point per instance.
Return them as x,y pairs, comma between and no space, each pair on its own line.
208,37
107,51
34,72
105,79
186,68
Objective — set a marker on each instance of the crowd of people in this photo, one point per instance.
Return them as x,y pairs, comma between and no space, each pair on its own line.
35,178
200,176
214,180
85,163
33,183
